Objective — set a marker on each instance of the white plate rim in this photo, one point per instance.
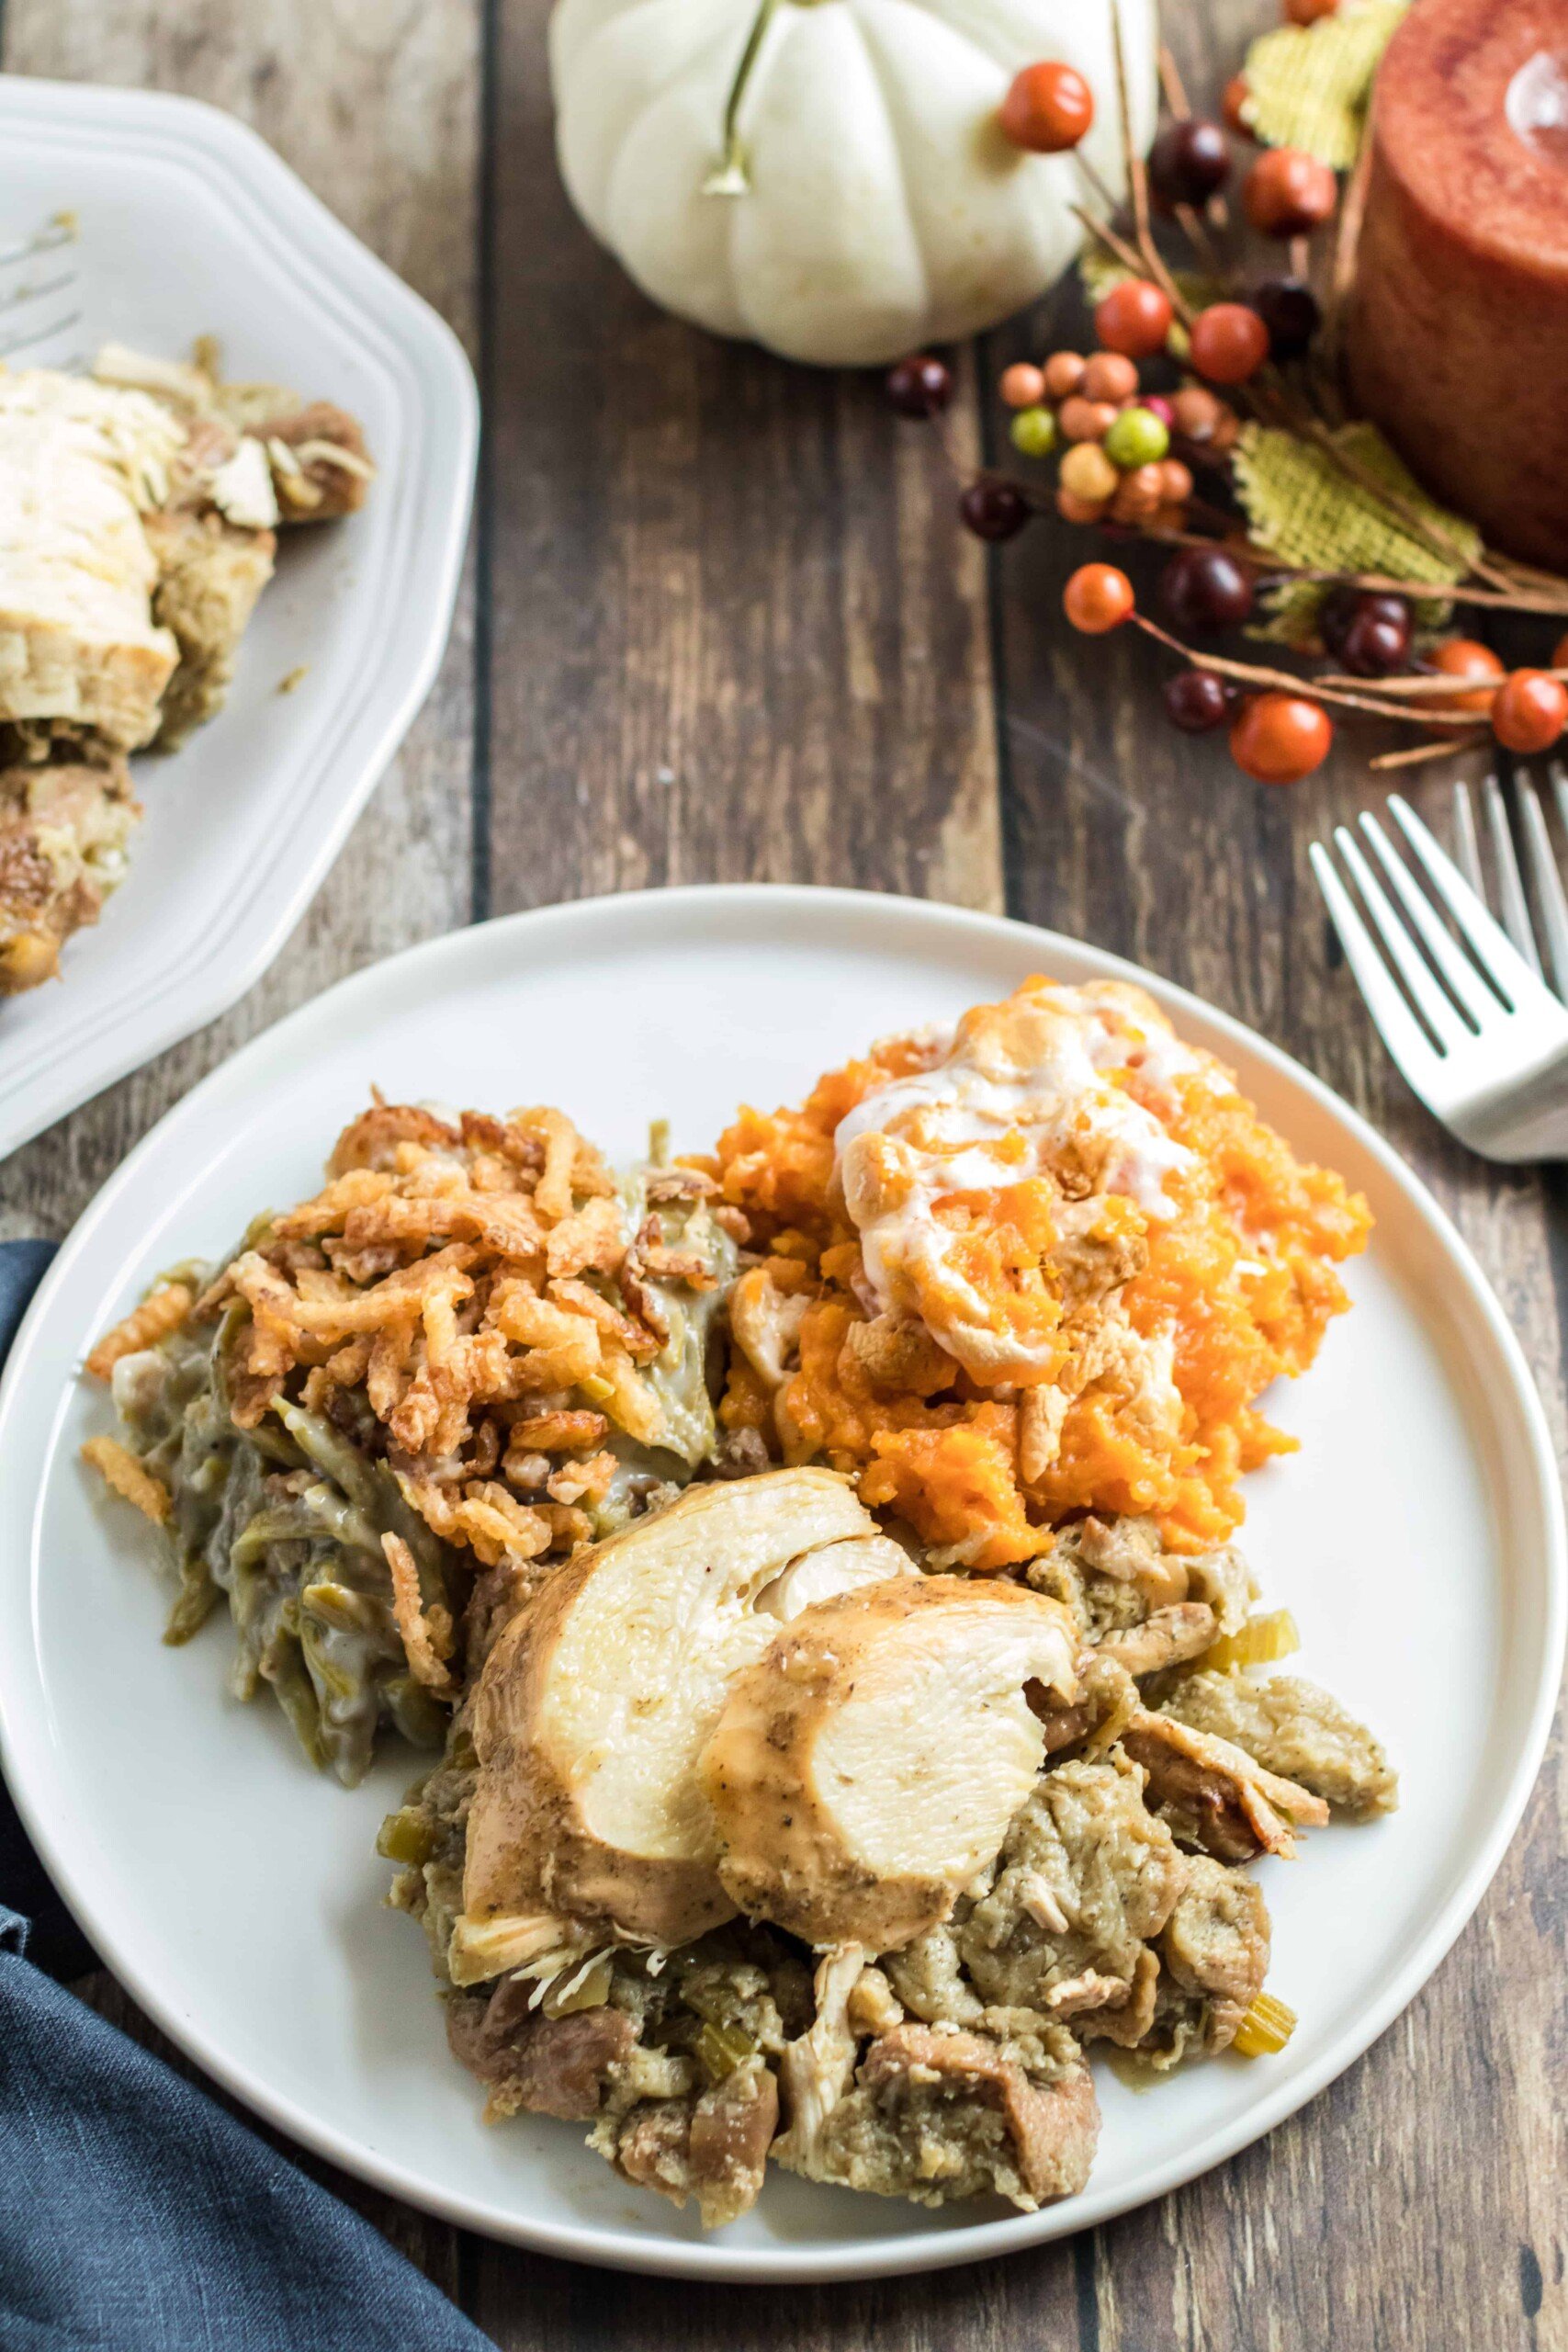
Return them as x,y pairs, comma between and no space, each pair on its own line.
104,1041
609,2249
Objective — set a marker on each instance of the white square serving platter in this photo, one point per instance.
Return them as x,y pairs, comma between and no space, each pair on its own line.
187,223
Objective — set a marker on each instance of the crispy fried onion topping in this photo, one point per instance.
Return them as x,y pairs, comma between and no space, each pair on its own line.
475,1283
427,1632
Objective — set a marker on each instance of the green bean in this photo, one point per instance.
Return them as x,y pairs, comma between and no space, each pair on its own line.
346,1610
331,1453
420,1718
193,1603
284,1669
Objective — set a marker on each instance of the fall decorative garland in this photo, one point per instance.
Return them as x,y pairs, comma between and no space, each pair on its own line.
1325,544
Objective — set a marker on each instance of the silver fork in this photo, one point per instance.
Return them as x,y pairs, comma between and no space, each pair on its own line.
40,295
1468,1018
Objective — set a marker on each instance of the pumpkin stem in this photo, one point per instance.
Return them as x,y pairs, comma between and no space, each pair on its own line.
731,176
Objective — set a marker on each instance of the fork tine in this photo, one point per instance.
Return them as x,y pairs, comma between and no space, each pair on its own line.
1435,1008
1498,957
1549,892
1467,849
1558,774
1512,904
45,241
1395,1023
39,334
1464,979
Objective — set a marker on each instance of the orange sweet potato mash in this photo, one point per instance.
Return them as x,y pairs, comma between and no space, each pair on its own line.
1080,1316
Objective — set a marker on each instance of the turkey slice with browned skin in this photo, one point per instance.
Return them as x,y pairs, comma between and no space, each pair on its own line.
865,1768
589,1821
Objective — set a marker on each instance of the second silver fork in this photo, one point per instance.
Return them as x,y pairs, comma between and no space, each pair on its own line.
1457,996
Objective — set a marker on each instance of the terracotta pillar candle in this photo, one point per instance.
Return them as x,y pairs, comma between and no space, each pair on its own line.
1458,339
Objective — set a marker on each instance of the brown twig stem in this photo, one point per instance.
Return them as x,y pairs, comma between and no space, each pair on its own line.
1113,243
1137,180
1171,83
1203,245
1256,674
1427,591
1415,753
1342,267
1095,180
1424,688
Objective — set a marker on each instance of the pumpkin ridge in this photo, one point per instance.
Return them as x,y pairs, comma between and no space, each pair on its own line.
891,101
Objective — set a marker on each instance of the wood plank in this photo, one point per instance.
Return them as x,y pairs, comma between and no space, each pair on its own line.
389,137
1426,2184
739,631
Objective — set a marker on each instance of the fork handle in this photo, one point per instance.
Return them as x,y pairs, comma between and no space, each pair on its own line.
1524,1123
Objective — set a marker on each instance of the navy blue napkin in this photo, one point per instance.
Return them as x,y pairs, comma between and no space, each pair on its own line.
135,2214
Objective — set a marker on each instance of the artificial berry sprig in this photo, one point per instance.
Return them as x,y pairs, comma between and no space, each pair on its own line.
1127,453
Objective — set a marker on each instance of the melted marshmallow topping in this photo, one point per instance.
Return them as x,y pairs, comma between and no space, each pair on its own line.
1017,1091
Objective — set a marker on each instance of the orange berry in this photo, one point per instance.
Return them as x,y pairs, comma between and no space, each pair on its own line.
1529,711
1175,483
1307,12
1109,375
1047,108
1462,657
1279,738
1196,412
1139,495
1063,372
1074,509
1232,100
1289,192
1082,420
1230,343
1022,386
1133,317
1097,597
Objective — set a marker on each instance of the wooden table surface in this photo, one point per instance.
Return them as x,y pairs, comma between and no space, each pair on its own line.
720,623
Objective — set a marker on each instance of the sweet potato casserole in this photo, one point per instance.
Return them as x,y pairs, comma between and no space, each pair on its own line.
813,1564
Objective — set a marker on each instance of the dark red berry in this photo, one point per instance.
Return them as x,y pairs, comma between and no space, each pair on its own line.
920,386
1188,162
1196,700
1288,308
1346,609
1375,645
994,510
1205,589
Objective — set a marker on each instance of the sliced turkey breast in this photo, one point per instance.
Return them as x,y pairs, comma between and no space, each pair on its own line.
867,1765
598,1698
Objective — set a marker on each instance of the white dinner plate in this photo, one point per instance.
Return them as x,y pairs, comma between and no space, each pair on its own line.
1417,1536
187,223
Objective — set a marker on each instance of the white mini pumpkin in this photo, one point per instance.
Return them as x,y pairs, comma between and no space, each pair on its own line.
870,203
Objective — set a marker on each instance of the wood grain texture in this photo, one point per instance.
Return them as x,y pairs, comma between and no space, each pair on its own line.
724,626
739,633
